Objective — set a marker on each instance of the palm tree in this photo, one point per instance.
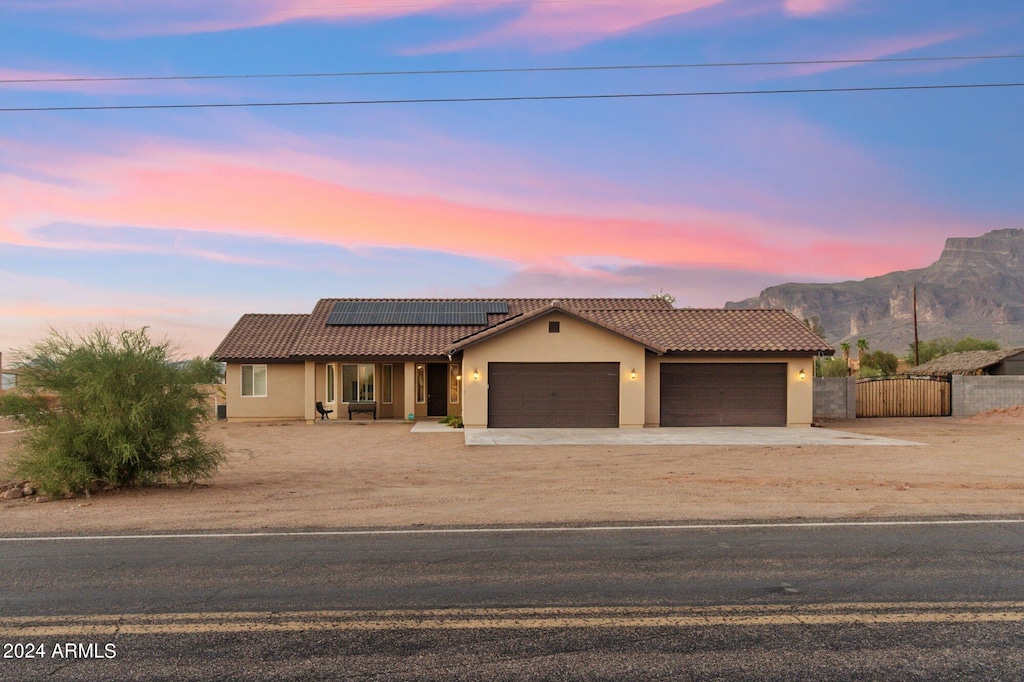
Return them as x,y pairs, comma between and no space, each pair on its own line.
845,347
862,348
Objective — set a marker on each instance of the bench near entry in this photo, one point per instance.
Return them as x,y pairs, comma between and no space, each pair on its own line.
365,408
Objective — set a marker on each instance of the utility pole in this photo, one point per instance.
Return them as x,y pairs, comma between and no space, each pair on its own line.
917,356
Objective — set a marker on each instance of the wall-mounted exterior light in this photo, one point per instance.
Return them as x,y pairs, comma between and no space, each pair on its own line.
802,375
632,374
476,375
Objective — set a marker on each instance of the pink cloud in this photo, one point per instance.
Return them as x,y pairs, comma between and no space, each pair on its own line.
568,24
172,188
162,17
878,49
550,26
808,7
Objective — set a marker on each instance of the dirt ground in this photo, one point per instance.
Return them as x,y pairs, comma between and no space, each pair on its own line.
347,475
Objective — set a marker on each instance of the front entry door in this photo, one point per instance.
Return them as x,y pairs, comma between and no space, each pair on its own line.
437,390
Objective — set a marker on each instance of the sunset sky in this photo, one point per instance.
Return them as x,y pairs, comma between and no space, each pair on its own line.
183,219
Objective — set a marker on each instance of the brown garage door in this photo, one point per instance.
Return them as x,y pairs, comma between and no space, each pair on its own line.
723,394
549,394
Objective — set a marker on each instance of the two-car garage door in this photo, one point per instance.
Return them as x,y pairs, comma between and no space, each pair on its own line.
723,394
586,394
552,394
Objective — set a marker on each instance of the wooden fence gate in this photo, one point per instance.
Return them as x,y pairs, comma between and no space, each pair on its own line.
904,397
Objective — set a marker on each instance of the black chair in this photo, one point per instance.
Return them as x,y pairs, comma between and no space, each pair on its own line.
322,411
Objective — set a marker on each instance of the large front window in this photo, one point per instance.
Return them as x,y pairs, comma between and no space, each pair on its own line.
357,383
254,381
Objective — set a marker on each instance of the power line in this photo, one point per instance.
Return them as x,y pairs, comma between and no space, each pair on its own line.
537,69
516,98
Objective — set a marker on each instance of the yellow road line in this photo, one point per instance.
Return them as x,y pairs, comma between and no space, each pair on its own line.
514,618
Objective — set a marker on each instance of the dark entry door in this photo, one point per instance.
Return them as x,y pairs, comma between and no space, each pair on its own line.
723,394
549,395
437,390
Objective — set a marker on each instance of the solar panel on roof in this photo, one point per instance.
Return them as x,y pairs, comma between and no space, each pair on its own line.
414,312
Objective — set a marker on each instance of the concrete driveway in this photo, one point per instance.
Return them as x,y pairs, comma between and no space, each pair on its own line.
732,435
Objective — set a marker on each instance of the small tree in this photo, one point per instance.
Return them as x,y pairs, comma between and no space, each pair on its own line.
862,348
882,361
110,407
845,347
830,367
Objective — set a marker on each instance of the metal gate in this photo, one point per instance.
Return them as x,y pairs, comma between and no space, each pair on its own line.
904,397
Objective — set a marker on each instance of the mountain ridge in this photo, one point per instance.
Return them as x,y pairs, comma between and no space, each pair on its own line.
975,288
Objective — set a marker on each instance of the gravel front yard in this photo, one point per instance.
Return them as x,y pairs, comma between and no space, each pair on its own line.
371,475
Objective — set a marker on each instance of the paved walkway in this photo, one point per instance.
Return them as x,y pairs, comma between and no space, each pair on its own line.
430,425
732,435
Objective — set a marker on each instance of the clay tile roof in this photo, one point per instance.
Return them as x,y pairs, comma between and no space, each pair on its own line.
964,362
651,322
261,337
694,330
321,340
592,316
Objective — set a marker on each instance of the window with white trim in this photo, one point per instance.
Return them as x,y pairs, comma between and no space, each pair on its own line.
254,381
454,383
421,384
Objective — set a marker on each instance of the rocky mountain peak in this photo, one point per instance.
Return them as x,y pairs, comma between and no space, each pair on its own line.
976,288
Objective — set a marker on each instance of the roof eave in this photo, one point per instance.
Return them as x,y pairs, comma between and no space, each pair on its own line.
553,307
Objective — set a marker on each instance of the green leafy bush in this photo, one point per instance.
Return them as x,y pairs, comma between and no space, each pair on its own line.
453,420
110,408
880,360
830,367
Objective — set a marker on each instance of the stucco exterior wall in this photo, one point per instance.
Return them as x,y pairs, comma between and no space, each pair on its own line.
799,393
576,341
286,386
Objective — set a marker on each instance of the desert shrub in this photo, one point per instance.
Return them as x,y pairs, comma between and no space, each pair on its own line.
866,372
830,367
453,420
880,360
110,407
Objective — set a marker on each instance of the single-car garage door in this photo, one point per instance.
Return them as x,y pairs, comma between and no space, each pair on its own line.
552,394
723,394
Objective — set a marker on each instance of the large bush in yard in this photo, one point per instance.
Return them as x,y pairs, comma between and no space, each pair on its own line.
110,407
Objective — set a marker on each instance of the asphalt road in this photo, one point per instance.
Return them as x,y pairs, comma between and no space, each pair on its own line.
828,602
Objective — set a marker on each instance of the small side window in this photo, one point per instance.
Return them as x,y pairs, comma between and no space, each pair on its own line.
553,327
254,381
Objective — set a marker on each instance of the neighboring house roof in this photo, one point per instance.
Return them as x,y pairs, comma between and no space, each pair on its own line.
261,337
964,362
650,322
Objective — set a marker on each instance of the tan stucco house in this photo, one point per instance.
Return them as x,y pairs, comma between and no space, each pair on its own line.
524,363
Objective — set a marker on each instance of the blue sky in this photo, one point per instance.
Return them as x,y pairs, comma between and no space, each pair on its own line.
182,220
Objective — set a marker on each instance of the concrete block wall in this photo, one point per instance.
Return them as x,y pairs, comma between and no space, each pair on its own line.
835,397
974,394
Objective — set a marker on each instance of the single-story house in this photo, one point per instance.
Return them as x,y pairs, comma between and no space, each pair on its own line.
581,362
1007,361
